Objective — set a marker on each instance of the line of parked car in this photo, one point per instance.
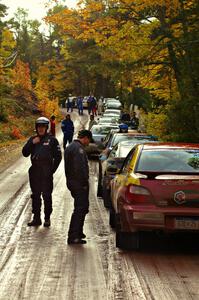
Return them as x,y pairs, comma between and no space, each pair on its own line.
147,185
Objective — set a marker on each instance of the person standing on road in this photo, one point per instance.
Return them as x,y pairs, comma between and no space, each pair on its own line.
45,158
80,105
69,104
134,121
93,106
52,125
67,127
77,180
91,122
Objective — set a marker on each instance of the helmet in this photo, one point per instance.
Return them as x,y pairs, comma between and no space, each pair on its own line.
123,127
43,120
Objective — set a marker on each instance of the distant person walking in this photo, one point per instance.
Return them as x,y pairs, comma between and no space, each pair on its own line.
89,104
69,103
45,155
134,121
93,106
67,127
80,105
77,178
91,122
52,125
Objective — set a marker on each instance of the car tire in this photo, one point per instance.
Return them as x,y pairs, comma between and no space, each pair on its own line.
112,221
106,196
99,187
126,240
99,190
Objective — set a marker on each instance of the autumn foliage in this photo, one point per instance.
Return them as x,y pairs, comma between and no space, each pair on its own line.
147,44
21,80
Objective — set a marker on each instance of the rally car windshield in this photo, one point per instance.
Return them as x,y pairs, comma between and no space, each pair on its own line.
171,161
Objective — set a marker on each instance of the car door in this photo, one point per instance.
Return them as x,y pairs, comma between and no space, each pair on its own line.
120,178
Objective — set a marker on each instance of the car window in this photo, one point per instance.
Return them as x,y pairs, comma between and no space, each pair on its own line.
107,138
119,138
109,142
100,130
180,160
113,153
124,150
127,161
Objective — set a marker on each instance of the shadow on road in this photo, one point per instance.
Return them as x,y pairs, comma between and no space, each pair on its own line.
176,243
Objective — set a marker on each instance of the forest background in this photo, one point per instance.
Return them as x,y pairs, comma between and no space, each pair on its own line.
144,51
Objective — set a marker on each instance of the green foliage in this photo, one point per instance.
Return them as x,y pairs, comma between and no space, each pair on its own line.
183,122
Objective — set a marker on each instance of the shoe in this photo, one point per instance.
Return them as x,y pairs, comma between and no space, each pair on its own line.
82,236
35,222
76,241
47,223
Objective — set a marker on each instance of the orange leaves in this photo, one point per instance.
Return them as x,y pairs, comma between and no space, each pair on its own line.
21,79
67,20
7,43
16,133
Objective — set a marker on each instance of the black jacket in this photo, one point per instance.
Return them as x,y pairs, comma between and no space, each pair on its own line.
76,165
47,153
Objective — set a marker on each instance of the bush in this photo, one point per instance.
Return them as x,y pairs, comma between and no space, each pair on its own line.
3,116
156,124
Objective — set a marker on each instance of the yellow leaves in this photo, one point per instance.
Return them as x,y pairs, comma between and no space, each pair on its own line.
171,6
7,43
49,107
45,104
155,124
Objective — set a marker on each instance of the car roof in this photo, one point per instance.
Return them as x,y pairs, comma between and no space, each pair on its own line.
107,125
114,109
171,145
134,132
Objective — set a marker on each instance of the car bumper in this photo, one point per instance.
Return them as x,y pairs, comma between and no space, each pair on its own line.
141,218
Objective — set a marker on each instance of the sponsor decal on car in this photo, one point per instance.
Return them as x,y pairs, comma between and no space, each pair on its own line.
180,197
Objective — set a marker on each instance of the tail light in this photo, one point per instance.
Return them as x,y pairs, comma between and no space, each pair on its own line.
137,194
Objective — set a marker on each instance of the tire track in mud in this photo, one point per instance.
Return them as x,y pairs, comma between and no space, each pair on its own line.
21,253
120,283
40,263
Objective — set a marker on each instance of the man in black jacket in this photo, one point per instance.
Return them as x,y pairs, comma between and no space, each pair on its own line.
67,127
45,158
77,178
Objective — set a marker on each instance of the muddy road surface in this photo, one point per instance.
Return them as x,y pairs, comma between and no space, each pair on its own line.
37,263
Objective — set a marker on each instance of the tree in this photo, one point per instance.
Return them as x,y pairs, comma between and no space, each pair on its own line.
159,46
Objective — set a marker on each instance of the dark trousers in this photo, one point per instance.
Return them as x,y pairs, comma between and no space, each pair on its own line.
81,206
80,111
41,184
69,107
67,139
